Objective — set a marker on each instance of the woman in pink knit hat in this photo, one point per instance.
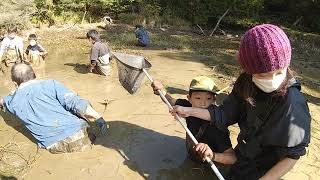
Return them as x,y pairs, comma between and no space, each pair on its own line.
267,105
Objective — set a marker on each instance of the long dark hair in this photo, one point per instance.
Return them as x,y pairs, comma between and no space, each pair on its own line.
247,90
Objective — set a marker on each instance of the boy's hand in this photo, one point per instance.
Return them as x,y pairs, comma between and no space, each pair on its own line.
90,68
204,151
181,111
44,54
156,85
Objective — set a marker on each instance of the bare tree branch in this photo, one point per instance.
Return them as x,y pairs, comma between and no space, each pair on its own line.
217,25
297,21
201,29
84,15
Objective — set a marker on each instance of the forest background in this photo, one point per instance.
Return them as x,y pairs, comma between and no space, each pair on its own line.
301,15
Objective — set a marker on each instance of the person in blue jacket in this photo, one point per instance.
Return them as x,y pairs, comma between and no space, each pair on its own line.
55,116
142,36
266,103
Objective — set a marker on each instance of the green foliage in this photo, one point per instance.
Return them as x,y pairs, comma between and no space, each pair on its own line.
240,22
44,11
130,18
168,19
243,13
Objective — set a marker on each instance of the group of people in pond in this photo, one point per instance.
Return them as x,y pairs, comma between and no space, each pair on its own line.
34,55
100,54
12,51
265,103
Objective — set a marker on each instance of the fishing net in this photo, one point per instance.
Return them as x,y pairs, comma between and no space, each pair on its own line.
130,70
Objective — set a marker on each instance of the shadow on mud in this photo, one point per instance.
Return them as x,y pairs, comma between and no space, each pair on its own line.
82,37
15,123
312,99
151,154
2,177
79,68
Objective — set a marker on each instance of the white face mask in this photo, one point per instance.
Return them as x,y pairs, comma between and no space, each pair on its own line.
270,85
12,36
32,42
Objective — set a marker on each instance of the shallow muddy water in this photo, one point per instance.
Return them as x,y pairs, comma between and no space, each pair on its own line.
143,141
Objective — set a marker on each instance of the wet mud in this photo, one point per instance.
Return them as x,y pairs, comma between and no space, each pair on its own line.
143,141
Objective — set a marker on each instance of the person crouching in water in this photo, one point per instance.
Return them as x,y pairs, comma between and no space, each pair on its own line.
266,103
11,48
35,53
142,36
58,119
202,94
99,54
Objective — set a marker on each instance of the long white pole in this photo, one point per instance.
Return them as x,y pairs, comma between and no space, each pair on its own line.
180,119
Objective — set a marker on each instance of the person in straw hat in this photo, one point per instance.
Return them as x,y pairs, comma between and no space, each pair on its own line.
202,94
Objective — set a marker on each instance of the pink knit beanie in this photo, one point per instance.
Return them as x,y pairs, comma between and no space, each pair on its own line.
264,48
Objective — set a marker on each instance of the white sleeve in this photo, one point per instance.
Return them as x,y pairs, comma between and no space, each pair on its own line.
90,112
3,46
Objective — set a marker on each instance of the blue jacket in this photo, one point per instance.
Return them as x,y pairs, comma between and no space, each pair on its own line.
48,110
143,36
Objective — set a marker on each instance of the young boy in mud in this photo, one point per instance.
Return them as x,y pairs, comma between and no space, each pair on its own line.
11,47
202,94
35,53
99,54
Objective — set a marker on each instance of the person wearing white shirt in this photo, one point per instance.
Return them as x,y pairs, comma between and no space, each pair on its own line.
11,47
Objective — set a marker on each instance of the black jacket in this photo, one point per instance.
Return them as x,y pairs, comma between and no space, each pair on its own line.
275,128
